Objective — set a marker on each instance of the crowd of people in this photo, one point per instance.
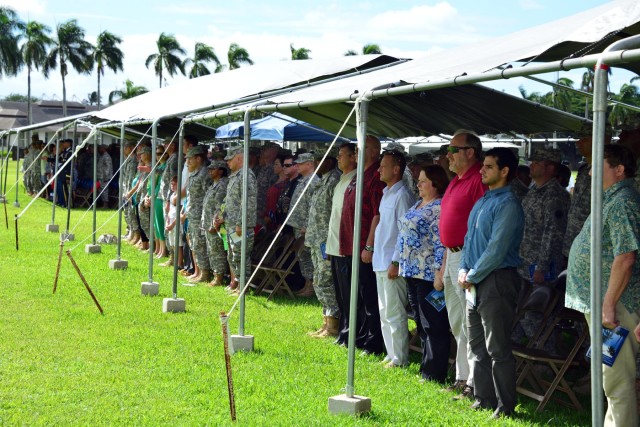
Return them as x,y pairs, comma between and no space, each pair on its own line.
455,242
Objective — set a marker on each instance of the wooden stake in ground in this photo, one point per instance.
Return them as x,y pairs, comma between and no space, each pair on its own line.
227,360
86,285
55,281
16,222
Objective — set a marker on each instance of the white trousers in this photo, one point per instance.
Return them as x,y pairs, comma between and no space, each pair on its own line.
457,311
392,302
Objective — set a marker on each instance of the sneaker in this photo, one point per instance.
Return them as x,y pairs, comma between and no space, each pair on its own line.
458,386
467,393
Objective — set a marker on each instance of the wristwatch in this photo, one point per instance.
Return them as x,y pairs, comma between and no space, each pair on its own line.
396,263
368,248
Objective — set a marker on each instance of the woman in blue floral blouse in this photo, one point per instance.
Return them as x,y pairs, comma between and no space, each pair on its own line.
421,256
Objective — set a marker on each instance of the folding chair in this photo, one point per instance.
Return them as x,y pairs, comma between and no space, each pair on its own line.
533,385
276,276
541,300
82,197
274,259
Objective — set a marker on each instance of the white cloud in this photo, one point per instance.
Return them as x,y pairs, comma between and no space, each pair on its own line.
530,5
26,7
425,18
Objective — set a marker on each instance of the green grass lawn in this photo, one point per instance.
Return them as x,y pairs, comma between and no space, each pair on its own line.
62,363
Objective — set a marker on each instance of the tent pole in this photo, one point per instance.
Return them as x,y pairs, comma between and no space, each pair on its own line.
178,227
71,178
152,197
95,185
245,189
362,111
120,186
17,203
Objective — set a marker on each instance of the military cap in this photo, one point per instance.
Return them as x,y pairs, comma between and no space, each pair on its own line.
129,143
304,158
548,154
394,146
217,164
144,149
234,151
196,151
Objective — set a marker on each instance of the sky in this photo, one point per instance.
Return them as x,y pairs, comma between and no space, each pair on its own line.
404,28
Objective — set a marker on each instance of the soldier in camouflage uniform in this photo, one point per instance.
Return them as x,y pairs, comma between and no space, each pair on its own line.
266,177
197,187
316,239
212,203
127,174
299,217
545,208
232,215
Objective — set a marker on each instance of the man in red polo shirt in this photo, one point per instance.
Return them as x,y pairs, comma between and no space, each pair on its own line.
369,332
464,154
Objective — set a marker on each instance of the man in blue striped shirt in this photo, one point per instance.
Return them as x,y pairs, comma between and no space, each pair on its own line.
488,274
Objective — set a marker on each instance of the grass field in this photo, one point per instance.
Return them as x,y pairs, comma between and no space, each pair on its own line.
62,363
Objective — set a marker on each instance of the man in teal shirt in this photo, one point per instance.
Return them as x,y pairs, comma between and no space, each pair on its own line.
489,276
620,276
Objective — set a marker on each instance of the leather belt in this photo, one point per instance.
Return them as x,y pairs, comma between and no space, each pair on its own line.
455,249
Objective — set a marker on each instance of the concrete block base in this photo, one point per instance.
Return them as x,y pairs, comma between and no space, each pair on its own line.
52,228
149,288
342,404
16,204
67,236
241,343
92,249
118,264
174,305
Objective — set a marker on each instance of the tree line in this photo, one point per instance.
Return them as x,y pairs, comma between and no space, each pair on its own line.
36,47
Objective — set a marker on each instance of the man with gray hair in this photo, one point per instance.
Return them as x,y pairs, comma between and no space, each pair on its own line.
464,154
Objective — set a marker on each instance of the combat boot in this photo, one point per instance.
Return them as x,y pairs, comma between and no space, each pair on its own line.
321,330
331,330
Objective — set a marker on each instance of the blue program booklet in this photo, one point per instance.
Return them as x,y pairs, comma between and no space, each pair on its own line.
436,299
612,341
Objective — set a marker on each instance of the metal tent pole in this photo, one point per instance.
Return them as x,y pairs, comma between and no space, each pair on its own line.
120,185
67,235
152,197
178,226
95,185
245,189
17,203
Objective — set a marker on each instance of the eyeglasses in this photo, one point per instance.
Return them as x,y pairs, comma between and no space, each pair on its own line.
287,165
453,149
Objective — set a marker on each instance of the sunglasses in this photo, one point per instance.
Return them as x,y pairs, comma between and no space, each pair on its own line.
452,149
287,165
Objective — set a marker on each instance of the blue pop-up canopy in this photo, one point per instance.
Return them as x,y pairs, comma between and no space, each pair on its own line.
276,127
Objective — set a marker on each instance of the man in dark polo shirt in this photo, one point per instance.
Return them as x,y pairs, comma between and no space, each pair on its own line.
464,154
368,332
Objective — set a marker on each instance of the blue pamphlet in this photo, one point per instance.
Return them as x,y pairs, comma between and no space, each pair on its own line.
612,341
323,250
436,299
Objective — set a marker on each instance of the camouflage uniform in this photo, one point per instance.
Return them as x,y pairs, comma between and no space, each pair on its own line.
316,237
519,189
545,210
265,178
127,174
104,172
197,187
233,217
580,207
299,217
143,212
170,170
213,200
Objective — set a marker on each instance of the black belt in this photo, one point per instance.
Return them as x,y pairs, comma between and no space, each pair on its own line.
455,249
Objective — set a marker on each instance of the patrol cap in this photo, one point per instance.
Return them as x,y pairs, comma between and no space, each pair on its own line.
304,158
196,151
548,154
217,164
394,146
144,149
234,151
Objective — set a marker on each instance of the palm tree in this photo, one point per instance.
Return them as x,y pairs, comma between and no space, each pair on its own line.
301,53
69,46
202,54
350,52
107,54
92,98
130,90
562,98
34,54
371,49
167,56
237,55
10,60
629,94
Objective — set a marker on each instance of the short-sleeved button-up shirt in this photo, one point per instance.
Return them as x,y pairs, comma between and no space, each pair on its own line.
620,234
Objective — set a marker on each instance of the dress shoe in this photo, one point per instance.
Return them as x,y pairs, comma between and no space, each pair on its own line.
458,386
501,413
479,404
467,393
